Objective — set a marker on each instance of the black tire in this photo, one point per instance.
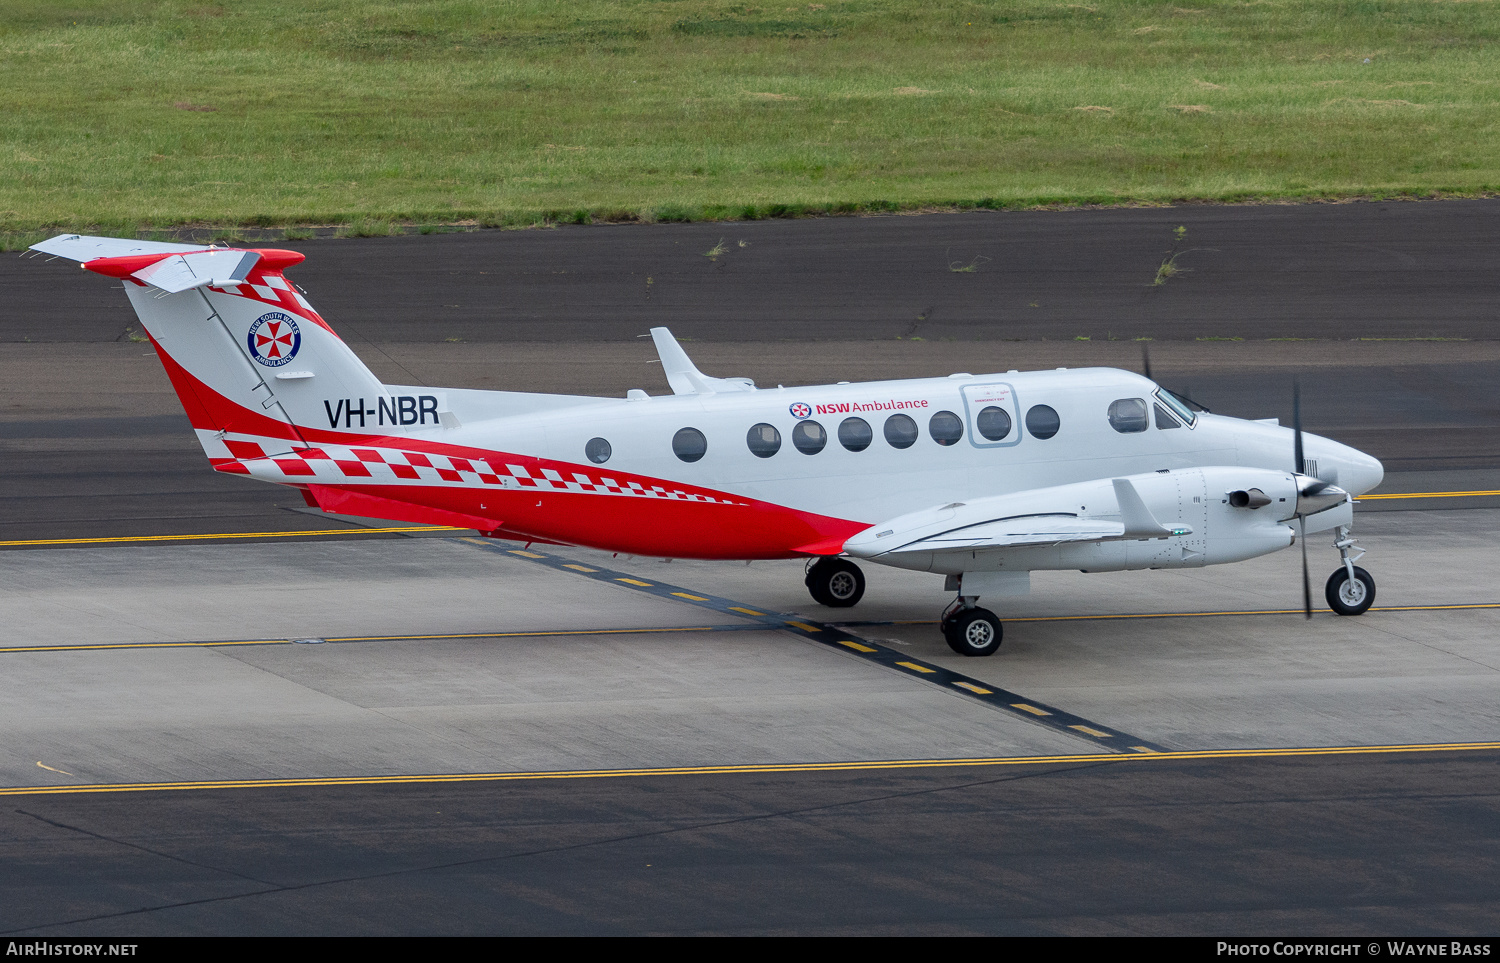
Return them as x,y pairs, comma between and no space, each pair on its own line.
973,632
1350,599
835,582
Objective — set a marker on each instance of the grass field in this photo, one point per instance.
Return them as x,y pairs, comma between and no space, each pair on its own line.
130,114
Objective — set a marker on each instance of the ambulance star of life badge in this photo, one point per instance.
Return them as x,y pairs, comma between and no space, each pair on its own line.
799,410
274,339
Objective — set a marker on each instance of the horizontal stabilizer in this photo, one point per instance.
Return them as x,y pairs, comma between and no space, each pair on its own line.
81,247
184,271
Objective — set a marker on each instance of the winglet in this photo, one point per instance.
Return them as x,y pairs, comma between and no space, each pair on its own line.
1137,518
684,376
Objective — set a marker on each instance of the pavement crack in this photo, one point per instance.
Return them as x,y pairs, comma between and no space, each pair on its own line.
144,849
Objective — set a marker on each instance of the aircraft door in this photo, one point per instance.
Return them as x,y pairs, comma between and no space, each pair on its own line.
994,420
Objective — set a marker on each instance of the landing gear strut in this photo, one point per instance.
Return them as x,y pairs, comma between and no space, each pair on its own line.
1350,589
835,582
971,630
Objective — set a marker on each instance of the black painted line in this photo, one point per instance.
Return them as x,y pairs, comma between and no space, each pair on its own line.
841,640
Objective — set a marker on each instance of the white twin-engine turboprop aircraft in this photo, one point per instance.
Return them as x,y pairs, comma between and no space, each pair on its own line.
982,478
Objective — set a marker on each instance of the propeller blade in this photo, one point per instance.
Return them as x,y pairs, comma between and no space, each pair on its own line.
1306,580
1297,425
1146,360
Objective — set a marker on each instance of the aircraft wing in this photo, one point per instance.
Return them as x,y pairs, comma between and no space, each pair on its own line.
1043,516
1018,530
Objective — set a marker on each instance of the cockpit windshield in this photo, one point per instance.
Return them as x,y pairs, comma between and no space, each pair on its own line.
1179,406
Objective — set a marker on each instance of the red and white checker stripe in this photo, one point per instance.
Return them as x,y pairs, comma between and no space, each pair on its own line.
270,287
337,464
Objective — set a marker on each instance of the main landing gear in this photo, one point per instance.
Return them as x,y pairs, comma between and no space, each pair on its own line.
971,630
1350,589
835,582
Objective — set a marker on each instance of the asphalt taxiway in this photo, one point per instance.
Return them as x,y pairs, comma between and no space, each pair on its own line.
214,724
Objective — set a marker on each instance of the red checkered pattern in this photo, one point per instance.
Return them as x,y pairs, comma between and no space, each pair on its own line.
333,464
270,287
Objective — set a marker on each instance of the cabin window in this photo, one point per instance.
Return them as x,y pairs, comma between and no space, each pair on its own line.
1042,421
597,450
1128,415
764,440
855,434
900,431
689,444
809,437
1164,420
993,423
946,428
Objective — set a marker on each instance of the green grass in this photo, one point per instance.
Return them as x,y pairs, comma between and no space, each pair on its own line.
127,115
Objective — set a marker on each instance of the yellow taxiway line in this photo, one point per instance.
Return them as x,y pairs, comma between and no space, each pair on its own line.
1363,498
432,778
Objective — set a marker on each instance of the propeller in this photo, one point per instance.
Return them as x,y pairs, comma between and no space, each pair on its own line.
1179,395
1312,489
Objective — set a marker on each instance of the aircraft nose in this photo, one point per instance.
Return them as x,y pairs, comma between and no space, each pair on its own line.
1358,472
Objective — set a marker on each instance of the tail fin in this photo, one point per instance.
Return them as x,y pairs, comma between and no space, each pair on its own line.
245,351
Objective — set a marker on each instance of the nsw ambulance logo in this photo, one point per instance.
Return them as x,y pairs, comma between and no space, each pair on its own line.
799,410
274,339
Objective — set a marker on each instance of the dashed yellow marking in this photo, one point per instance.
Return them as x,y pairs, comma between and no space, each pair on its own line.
581,568
1127,758
1031,709
1426,495
634,581
857,646
192,538
744,611
975,688
1143,749
517,551
689,595
1090,732
804,626
916,668
42,765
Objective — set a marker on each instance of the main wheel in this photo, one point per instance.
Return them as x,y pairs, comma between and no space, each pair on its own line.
973,632
835,582
1349,597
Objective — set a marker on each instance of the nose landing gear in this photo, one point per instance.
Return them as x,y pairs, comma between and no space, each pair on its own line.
835,582
1350,589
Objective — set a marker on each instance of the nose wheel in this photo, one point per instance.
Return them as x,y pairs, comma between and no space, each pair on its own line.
972,631
1350,596
835,582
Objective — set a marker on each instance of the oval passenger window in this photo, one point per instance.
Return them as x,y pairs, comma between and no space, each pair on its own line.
809,437
689,444
1128,415
1042,421
946,428
855,434
900,431
764,440
993,423
597,450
